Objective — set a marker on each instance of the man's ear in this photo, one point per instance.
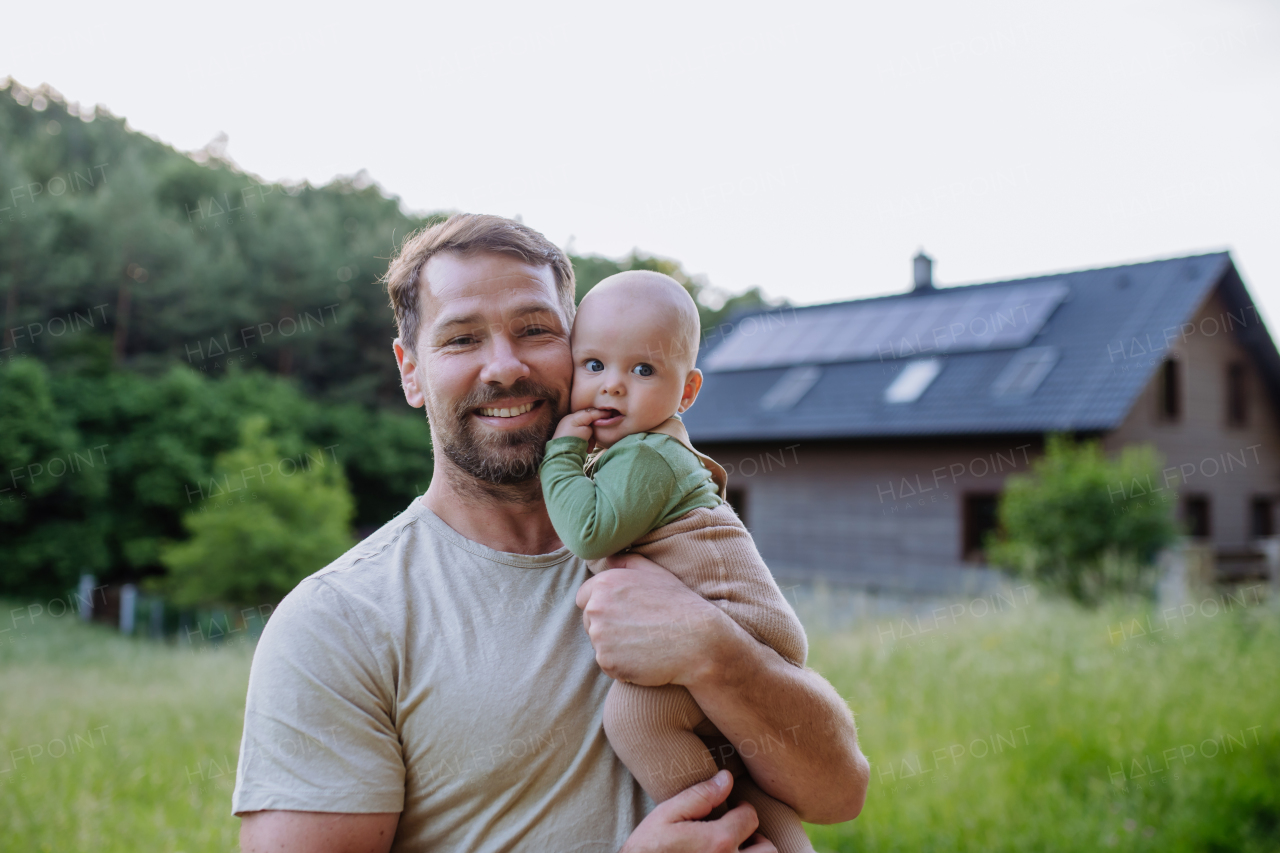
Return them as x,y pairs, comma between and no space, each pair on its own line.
692,385
414,393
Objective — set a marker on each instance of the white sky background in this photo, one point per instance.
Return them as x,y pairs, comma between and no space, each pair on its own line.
809,149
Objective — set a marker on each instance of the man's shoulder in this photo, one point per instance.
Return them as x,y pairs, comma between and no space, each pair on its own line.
365,590
373,568
382,549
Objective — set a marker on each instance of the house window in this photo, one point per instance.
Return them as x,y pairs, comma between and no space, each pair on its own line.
1262,517
1195,516
1170,390
737,498
1237,395
911,382
979,520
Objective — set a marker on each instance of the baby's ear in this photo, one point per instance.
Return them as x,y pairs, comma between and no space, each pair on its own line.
692,385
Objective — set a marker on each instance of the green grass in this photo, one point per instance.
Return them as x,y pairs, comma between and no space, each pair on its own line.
158,777
1066,696
1094,696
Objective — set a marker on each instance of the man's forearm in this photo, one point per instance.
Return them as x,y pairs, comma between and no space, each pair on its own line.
792,729
789,725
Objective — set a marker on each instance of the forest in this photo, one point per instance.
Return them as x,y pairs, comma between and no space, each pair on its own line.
173,324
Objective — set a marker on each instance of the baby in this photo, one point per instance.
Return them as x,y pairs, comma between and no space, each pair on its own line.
635,341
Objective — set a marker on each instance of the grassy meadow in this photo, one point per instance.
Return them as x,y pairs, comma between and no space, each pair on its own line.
1039,727
1048,727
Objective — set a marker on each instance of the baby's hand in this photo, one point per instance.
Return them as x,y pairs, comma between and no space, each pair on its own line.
578,424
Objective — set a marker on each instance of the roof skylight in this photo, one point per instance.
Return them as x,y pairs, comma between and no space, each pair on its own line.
790,388
1024,372
915,378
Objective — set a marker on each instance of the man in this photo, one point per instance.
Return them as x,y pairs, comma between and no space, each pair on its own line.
433,689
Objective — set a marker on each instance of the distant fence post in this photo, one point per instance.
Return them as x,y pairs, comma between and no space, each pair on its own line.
128,607
1172,588
84,596
157,617
1271,548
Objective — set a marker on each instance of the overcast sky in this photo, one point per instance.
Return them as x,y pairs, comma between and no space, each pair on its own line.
809,149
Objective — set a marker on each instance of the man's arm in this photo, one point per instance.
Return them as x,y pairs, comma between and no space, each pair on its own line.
309,832
793,731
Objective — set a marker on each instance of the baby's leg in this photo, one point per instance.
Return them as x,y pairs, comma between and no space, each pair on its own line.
778,821
651,729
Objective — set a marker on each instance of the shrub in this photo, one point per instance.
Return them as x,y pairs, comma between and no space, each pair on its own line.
1077,525
264,526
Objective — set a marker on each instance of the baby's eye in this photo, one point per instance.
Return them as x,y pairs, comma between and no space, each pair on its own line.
594,365
642,370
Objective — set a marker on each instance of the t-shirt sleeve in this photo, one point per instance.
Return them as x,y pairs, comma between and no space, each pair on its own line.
601,516
318,723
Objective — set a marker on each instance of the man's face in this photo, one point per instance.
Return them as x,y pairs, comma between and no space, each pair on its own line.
492,364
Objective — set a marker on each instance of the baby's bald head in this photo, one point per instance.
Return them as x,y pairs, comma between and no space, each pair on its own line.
653,298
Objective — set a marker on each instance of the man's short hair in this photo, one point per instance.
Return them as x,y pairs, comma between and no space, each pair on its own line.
469,234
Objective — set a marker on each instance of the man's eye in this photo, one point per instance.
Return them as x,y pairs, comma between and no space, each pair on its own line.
594,365
642,370
536,330
462,341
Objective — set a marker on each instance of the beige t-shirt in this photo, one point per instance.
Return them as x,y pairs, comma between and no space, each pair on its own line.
427,674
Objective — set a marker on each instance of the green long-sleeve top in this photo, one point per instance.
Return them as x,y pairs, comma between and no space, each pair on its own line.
644,481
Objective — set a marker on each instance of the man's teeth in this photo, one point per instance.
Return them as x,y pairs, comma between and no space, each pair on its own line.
506,413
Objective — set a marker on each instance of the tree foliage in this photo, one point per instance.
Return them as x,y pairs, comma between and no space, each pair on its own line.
1070,525
101,468
270,520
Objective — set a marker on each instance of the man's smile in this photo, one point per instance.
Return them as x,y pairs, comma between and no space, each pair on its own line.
509,412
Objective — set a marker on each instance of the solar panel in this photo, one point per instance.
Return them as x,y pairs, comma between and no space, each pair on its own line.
999,317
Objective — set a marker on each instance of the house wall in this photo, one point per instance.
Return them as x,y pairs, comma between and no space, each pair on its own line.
1227,463
886,515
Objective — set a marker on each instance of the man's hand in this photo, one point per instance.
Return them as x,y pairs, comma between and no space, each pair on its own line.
650,629
646,626
578,424
676,826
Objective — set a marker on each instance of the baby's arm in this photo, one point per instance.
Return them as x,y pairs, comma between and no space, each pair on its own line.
601,516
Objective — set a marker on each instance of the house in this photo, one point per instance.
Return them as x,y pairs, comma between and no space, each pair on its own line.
868,441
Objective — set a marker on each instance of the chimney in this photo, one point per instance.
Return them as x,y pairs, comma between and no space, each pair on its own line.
923,267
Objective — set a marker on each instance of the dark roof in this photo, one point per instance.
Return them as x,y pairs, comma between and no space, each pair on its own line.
1107,336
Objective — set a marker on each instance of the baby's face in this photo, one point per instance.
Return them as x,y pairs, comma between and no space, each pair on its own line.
623,361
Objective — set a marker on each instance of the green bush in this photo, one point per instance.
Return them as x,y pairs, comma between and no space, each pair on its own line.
1075,526
265,521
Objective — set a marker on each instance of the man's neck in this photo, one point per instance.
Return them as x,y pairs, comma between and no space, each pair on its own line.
512,519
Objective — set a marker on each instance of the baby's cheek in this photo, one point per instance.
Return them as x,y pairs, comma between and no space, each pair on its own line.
582,395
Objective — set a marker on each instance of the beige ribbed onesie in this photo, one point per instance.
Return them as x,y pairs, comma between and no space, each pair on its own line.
660,733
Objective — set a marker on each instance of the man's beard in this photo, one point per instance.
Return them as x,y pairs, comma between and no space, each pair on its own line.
506,458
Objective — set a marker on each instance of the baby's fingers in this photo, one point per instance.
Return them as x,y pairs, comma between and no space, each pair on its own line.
586,417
